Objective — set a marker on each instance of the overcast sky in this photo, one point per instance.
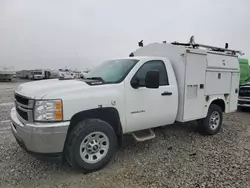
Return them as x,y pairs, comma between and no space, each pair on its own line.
82,33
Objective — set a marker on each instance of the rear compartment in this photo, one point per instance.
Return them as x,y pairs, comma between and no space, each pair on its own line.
201,76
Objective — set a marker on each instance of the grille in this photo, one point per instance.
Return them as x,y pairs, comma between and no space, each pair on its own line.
24,107
21,99
23,114
243,102
244,92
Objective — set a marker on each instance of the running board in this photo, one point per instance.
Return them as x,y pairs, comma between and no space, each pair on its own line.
144,135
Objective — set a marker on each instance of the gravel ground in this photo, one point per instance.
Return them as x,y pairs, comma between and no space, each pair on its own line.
177,157
6,90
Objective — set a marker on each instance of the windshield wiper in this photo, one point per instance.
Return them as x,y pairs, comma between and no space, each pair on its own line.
95,78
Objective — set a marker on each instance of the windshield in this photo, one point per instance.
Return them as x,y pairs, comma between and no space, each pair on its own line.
112,71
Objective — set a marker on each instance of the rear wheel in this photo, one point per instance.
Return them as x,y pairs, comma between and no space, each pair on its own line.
91,145
212,123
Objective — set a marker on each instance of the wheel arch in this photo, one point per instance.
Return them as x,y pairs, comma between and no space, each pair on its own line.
218,101
107,114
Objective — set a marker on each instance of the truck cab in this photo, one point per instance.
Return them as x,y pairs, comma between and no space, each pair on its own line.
85,119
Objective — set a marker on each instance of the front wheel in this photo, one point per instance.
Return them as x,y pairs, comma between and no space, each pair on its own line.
212,123
91,145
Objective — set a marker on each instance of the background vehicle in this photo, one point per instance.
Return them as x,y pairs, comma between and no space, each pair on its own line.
244,70
30,76
23,74
38,74
159,84
50,74
244,95
6,74
66,74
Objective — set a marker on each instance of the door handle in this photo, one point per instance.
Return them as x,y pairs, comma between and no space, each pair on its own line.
165,93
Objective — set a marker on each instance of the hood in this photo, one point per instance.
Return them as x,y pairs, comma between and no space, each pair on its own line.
39,89
246,84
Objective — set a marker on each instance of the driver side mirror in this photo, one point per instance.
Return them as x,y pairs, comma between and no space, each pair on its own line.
152,79
135,83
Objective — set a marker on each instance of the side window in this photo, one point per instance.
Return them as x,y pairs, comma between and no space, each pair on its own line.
152,65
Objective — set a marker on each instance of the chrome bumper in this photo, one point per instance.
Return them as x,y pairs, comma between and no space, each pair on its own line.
244,102
40,137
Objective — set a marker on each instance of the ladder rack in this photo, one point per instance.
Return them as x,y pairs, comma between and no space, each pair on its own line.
208,47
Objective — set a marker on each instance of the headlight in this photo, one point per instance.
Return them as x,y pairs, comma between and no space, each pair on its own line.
48,110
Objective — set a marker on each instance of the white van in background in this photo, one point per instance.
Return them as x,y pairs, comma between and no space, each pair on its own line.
6,74
66,74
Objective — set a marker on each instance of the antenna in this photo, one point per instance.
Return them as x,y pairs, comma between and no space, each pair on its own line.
226,45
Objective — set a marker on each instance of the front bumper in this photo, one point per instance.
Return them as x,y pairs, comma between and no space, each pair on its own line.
244,102
42,138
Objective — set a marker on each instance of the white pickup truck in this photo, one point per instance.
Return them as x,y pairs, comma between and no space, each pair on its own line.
161,83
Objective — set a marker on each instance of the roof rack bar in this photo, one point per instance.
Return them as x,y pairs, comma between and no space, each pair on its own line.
191,43
218,48
182,44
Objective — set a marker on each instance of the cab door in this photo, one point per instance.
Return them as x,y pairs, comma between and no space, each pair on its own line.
146,107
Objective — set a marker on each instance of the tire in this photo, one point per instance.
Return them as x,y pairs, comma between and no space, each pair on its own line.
81,136
207,126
